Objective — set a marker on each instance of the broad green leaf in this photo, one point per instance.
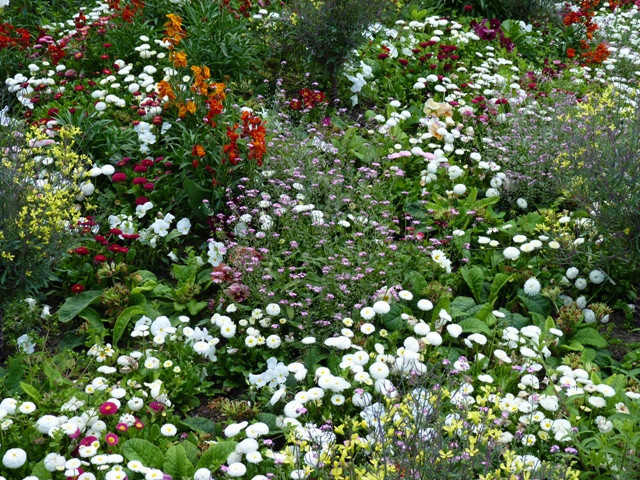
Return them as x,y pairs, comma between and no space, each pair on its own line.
499,281
463,307
196,307
31,391
177,464
474,278
74,305
123,320
473,325
200,424
191,450
40,472
93,317
270,419
216,455
536,304
589,336
393,320
143,451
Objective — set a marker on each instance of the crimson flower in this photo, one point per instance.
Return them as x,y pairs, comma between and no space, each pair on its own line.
108,408
77,288
118,177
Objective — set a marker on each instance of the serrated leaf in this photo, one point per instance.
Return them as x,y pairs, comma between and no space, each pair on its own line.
123,320
177,464
216,455
31,391
143,451
74,305
474,278
200,424
416,281
473,325
589,336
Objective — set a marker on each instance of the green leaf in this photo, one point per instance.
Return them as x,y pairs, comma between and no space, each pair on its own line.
216,455
40,471
416,281
474,278
270,419
177,464
12,376
473,325
93,317
74,305
499,281
536,304
392,320
123,320
31,391
143,451
191,450
195,307
200,424
589,336
464,307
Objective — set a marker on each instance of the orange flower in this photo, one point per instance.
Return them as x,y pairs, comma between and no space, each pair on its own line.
173,29
571,52
179,59
198,151
165,90
190,107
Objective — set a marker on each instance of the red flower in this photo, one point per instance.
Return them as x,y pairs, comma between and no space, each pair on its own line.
382,56
99,258
141,200
122,427
118,177
115,231
81,251
111,439
77,288
139,425
403,61
139,181
108,408
148,186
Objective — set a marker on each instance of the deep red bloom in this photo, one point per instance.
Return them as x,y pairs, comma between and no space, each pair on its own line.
382,56
403,61
122,427
87,441
139,169
139,181
148,186
99,258
108,408
130,236
81,251
141,200
77,288
156,406
118,177
139,425
115,231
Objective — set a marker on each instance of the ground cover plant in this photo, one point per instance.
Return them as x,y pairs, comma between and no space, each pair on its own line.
220,259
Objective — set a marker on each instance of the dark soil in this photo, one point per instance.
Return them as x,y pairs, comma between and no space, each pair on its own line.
622,336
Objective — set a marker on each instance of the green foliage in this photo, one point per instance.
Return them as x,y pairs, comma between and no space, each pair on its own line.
325,32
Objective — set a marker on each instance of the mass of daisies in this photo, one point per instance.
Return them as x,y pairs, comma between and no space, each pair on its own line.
319,240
